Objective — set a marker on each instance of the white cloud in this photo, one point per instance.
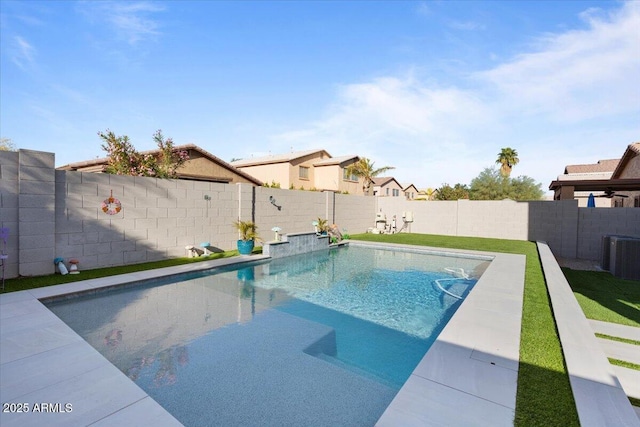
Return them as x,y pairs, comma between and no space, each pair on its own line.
130,21
579,74
423,9
467,25
397,121
553,99
23,52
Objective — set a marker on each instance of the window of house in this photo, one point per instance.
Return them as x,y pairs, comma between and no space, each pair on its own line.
618,203
303,172
396,192
348,176
636,202
387,191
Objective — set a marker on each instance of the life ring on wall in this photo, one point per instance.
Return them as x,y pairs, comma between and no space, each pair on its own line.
111,206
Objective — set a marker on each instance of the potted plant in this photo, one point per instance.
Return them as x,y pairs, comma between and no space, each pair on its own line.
248,235
321,226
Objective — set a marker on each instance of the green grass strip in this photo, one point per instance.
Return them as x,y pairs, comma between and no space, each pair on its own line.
624,364
22,283
619,339
544,394
605,297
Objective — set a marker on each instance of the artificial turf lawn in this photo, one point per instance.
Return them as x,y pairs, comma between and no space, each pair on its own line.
605,297
22,283
544,396
624,364
612,338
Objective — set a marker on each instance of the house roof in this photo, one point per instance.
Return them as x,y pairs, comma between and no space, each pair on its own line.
384,180
632,151
602,166
615,183
102,162
627,184
336,160
279,158
406,186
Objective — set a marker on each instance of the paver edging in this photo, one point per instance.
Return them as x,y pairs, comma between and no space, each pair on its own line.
599,397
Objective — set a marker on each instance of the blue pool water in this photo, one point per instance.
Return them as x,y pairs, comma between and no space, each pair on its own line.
319,339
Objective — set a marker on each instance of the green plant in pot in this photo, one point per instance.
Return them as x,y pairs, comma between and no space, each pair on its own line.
321,226
248,235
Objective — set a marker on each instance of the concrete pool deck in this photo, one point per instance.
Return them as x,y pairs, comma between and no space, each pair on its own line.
473,364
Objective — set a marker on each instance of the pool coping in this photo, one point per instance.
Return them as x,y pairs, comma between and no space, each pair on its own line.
474,361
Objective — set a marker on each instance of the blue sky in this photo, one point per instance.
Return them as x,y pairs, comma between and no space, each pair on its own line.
433,88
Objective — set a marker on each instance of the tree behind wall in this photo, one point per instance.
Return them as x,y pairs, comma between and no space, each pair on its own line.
364,168
124,159
491,184
507,159
447,192
7,145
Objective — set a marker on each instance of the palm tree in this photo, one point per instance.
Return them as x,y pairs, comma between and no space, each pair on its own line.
507,159
430,193
364,168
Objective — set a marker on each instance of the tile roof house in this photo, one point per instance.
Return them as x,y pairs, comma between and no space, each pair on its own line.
614,182
628,168
201,166
410,191
311,169
386,187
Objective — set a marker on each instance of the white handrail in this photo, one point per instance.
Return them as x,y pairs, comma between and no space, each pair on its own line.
446,291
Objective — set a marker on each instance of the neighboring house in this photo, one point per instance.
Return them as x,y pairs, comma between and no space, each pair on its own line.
608,180
628,168
308,170
410,191
386,187
201,166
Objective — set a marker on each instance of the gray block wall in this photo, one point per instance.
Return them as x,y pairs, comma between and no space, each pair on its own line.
36,212
596,223
298,209
158,218
9,192
58,214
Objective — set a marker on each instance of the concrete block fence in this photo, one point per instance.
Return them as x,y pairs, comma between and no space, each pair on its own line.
59,214
570,231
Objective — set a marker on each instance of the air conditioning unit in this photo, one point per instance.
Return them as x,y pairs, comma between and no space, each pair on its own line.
624,257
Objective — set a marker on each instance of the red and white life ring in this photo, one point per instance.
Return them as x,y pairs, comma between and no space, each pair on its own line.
111,206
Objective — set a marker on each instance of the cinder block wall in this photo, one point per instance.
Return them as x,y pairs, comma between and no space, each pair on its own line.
159,217
595,223
353,214
298,209
58,214
9,207
555,223
429,218
558,223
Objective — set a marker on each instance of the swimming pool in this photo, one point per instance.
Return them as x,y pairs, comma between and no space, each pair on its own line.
322,339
